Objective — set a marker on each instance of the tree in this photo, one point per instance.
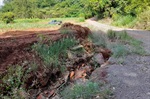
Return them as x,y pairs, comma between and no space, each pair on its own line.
8,17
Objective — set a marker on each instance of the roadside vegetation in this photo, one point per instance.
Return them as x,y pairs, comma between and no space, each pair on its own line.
35,23
61,66
89,90
122,44
55,65
129,13
55,53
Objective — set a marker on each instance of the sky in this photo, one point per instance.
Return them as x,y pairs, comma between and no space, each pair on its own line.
1,2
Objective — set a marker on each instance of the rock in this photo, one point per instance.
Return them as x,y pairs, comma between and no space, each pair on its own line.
105,64
112,60
105,52
99,58
99,75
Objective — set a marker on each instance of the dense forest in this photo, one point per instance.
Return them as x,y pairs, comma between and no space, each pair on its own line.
115,9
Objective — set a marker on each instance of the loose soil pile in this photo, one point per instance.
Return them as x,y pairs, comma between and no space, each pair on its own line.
17,50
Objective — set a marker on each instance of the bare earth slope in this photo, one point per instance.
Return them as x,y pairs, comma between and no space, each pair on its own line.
130,80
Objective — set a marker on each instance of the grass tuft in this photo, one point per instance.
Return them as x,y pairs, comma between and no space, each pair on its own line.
98,39
87,91
124,21
121,49
54,52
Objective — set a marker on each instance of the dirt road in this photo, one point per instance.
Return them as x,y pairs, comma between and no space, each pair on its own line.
130,80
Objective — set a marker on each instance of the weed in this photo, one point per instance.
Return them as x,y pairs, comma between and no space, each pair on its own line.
124,21
107,94
111,34
118,50
12,82
81,19
87,91
33,67
52,54
123,38
143,20
98,39
137,48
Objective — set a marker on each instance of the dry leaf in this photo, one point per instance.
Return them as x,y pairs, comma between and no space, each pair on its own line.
72,73
79,74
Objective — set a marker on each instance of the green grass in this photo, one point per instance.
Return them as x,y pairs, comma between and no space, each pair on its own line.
53,53
87,91
81,91
23,24
12,82
127,21
98,39
123,40
118,50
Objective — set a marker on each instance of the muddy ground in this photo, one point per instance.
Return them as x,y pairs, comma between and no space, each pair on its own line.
15,46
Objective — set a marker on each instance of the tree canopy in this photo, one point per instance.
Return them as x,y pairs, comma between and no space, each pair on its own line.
74,8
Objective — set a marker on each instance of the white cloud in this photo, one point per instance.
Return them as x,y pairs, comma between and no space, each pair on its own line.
1,2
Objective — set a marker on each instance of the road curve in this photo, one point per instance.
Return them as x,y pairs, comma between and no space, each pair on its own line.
130,80
141,35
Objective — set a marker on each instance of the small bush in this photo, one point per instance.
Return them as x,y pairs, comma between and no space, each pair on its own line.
12,82
144,20
123,20
8,17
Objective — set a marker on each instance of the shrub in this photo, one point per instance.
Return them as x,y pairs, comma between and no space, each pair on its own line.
12,83
8,17
123,20
144,20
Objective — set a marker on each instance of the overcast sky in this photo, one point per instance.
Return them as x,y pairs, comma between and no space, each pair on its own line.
1,2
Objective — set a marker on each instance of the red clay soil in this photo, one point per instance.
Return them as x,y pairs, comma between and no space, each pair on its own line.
15,46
